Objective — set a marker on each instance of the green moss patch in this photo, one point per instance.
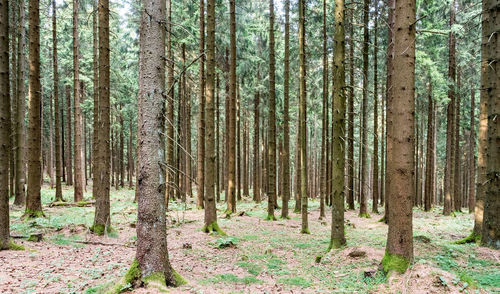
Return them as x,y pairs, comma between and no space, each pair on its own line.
395,262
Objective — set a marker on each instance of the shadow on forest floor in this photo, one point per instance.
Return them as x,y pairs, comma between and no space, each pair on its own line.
258,256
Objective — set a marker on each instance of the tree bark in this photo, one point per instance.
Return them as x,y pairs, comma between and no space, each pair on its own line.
324,125
271,151
286,117
170,174
429,170
375,189
78,151
102,219
95,84
350,111
201,115
338,124
302,116
34,156
256,146
20,164
5,127
69,141
401,140
491,224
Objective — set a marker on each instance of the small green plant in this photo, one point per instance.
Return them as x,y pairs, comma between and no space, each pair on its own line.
226,242
295,281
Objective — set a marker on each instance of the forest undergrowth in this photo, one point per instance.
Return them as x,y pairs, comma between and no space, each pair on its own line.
256,256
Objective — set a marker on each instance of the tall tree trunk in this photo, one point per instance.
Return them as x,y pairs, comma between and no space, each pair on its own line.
152,251
238,143
338,124
350,111
286,117
122,161
102,219
302,116
491,224
271,151
472,150
34,155
457,192
217,141
245,159
400,149
95,84
324,125
5,128
69,141
382,151
201,115
130,160
20,164
231,166
210,209
375,190
13,32
170,174
389,96
363,209
50,152
429,157
450,125
78,152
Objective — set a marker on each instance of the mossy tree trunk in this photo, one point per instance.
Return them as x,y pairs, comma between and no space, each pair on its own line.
401,141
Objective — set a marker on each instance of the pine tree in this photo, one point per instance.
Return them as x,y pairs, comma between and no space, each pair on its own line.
271,151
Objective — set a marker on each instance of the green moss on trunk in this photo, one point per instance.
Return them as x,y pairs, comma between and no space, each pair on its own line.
334,244
305,231
14,246
270,217
472,238
395,262
365,215
213,227
100,229
33,213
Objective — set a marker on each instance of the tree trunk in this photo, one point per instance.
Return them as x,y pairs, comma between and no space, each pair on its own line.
122,161
491,224
375,189
217,141
429,170
238,143
350,111
102,219
170,174
79,168
96,123
34,200
245,160
130,160
338,124
5,127
256,146
472,149
271,135
457,192
201,115
152,251
324,125
450,125
363,209
302,116
50,152
401,132
20,164
286,117
13,95
69,141
210,209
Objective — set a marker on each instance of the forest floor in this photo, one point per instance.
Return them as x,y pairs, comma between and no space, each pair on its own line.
258,256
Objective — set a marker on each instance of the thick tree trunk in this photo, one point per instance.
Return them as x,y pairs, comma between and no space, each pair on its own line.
13,95
20,164
34,154
102,219
286,117
152,251
5,127
78,152
491,224
338,124
303,117
210,209
401,132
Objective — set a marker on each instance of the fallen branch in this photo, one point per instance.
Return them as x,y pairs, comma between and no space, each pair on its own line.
72,204
102,243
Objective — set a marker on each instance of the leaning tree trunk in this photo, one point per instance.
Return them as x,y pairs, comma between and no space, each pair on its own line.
20,164
34,154
491,224
401,141
338,124
102,218
5,129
